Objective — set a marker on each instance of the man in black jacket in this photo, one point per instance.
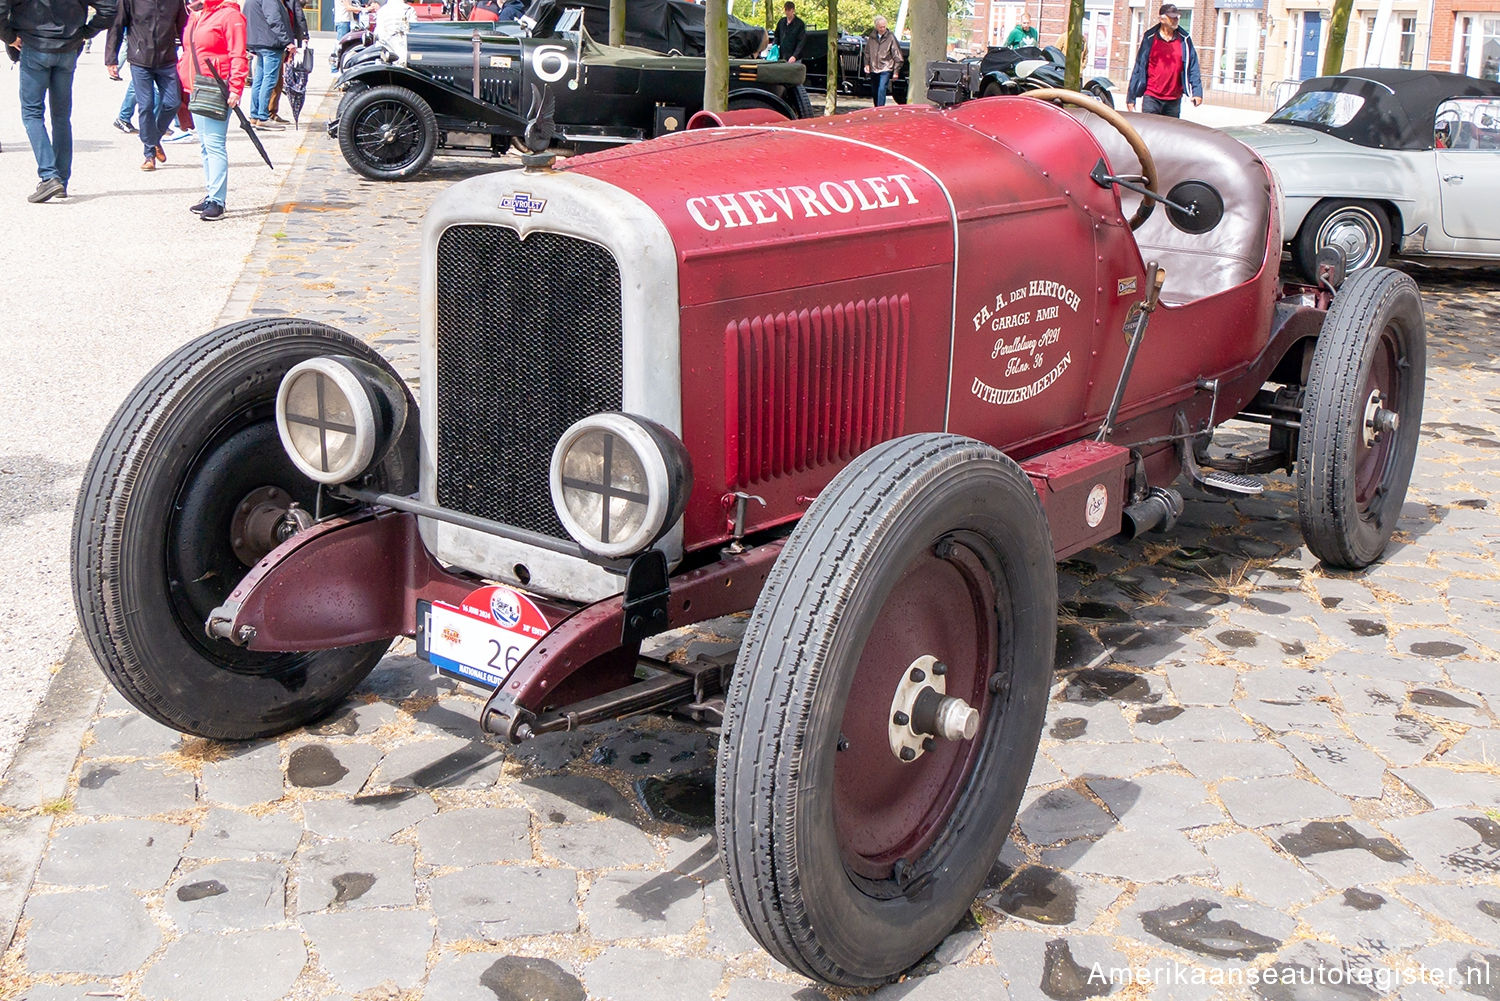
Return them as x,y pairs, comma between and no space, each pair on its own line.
791,33
154,29
268,32
48,35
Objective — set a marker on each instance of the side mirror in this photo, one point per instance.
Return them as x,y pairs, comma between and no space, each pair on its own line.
1194,206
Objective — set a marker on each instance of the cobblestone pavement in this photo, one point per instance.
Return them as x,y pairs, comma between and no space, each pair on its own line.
1251,764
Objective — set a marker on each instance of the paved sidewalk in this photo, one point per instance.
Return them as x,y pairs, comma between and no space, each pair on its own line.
98,288
1251,763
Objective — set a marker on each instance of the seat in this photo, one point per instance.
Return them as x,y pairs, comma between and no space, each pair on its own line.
1203,264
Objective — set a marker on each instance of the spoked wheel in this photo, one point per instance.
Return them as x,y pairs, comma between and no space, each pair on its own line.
1362,418
387,133
886,707
187,490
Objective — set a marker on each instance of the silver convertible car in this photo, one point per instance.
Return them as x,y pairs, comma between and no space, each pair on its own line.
1379,162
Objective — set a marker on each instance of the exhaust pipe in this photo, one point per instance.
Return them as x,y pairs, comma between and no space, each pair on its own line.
1159,509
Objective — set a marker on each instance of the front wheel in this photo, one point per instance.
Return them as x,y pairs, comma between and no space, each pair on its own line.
1359,229
387,133
1361,418
886,707
187,490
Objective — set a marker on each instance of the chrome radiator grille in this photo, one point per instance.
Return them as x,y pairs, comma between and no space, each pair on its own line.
528,341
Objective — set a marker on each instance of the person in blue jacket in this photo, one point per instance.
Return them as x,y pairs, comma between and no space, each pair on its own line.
1166,68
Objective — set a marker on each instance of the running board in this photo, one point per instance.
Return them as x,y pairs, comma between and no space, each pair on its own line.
1235,484
1216,482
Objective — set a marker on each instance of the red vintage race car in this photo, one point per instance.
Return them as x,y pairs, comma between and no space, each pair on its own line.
868,376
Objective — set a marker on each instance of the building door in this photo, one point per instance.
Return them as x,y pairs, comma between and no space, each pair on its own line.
1312,37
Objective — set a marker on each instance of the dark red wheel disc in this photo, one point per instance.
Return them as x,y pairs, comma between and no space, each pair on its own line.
887,809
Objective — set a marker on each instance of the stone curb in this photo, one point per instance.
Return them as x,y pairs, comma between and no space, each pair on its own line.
39,775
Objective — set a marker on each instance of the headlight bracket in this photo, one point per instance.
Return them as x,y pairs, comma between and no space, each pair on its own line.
647,593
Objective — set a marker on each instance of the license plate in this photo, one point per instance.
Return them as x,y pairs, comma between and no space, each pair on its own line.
482,639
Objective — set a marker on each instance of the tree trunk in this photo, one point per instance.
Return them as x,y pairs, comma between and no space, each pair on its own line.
929,43
617,22
716,44
1338,31
831,89
1073,67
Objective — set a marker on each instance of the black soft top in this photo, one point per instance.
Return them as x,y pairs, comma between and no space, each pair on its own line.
1399,105
667,25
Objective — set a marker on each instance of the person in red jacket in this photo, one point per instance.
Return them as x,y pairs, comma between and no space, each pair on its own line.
215,36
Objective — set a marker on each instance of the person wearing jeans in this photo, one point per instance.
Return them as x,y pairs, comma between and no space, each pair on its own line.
268,33
154,29
48,35
882,58
215,37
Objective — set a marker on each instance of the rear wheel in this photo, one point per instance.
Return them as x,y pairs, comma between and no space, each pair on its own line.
187,490
1362,418
1359,229
801,103
854,823
388,133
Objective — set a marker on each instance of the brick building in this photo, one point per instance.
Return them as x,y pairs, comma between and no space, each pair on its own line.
1255,51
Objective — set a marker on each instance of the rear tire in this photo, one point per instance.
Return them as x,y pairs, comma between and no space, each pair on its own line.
388,133
1351,478
1360,229
801,102
155,542
845,861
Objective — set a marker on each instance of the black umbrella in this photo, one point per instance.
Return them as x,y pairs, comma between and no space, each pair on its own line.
244,122
294,83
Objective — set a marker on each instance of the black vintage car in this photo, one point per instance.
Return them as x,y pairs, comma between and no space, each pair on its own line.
852,76
1002,71
488,86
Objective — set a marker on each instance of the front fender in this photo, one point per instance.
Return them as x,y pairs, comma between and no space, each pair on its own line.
765,97
446,101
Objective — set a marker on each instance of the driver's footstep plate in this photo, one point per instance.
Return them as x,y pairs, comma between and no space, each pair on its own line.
1233,483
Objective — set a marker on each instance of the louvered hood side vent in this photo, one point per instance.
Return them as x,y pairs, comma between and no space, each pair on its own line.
816,387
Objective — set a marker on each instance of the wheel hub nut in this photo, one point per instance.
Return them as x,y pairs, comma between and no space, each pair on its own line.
1378,420
922,710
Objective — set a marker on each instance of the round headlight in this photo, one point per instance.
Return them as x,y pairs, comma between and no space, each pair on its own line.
336,416
619,482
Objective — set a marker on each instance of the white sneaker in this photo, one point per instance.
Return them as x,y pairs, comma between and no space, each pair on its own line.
181,137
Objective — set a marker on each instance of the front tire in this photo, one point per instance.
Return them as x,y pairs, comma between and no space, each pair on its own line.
1361,418
1361,231
163,532
388,133
846,861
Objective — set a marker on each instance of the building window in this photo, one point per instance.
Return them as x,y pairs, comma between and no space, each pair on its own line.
1237,50
1408,41
1476,45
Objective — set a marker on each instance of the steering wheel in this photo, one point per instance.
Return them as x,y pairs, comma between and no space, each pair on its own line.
1127,132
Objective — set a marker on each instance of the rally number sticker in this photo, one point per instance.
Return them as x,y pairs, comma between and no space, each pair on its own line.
482,639
550,62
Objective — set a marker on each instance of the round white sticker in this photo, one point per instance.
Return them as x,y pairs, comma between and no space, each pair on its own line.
1098,502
